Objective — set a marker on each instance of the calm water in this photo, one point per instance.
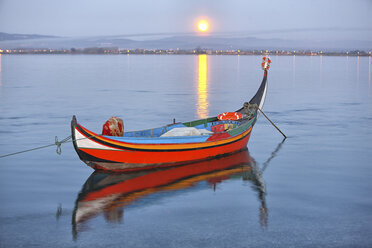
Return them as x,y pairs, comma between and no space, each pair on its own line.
313,190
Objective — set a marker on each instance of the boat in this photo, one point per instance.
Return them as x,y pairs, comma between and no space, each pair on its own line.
108,193
216,136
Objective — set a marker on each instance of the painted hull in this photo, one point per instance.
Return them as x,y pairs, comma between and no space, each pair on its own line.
132,157
138,153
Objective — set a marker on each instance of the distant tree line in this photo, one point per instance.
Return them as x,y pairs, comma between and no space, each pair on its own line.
92,50
198,50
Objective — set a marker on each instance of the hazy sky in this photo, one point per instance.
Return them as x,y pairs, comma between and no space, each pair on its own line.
315,19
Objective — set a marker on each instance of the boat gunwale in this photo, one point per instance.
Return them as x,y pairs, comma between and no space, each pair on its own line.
158,147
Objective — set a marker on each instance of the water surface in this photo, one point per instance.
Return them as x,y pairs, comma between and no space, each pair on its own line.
313,190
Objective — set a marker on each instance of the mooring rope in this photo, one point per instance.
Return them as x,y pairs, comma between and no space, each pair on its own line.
59,143
56,143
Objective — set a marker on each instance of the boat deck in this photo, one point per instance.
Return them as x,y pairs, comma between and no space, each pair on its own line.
154,135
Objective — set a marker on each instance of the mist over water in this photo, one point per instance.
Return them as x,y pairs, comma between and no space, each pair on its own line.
313,190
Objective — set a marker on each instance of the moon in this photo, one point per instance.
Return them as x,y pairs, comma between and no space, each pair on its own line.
203,26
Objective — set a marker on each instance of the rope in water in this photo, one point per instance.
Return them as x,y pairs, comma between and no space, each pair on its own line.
56,143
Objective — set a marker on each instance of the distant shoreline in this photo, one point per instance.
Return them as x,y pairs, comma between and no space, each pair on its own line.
116,51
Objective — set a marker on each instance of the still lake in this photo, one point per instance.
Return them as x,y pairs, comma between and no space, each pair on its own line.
312,190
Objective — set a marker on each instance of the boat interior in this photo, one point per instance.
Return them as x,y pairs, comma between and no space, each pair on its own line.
193,131
208,127
206,124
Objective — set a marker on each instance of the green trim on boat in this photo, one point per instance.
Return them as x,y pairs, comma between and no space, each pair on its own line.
199,122
240,129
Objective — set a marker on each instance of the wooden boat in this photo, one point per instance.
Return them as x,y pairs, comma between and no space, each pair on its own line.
108,193
147,149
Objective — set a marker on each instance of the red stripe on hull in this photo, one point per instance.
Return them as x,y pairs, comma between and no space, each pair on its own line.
134,160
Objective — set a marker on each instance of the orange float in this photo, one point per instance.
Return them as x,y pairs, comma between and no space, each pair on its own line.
233,116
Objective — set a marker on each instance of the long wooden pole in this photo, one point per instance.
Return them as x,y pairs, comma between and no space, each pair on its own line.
272,123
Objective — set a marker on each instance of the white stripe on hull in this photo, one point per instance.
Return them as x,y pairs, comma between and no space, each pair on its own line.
263,97
84,142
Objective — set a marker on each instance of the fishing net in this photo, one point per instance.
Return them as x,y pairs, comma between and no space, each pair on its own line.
250,109
113,127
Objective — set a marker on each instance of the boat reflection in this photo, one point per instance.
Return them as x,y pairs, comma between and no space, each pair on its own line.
202,86
109,193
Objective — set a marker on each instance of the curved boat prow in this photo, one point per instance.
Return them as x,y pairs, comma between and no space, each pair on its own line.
260,96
